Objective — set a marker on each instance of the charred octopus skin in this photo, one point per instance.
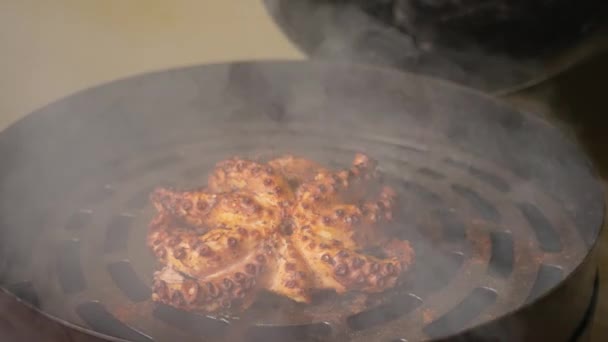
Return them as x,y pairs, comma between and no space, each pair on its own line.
288,226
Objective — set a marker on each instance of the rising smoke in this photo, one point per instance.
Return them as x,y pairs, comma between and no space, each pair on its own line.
347,31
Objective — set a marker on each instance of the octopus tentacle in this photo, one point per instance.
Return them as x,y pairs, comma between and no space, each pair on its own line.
347,185
296,170
342,269
237,174
291,274
355,226
200,255
231,289
200,209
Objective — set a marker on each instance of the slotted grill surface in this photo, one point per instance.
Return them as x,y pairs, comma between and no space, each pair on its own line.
483,249
487,240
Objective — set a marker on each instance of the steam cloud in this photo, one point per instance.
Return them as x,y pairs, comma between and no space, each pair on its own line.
343,31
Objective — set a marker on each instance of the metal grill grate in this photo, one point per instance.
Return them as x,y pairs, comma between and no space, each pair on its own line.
483,250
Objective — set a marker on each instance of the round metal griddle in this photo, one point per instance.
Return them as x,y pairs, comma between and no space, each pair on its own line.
341,31
502,210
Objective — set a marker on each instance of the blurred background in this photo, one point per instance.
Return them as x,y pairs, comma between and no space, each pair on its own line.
52,49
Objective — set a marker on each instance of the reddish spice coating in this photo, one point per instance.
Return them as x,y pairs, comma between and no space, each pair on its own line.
174,241
190,289
161,252
228,284
200,205
239,277
358,263
249,284
341,270
232,242
278,226
179,253
187,205
390,269
343,254
160,287
213,291
239,293
251,269
177,299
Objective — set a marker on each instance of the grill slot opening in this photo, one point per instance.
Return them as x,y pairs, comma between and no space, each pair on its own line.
501,260
394,309
433,272
453,228
545,234
69,270
79,220
467,310
310,332
101,194
547,277
431,173
128,282
484,176
98,318
422,192
140,199
118,233
490,179
485,208
26,292
189,322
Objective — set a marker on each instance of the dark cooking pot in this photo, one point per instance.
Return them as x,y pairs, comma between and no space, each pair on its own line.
492,45
517,27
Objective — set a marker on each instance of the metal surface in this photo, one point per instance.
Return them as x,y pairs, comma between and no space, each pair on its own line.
336,30
583,330
502,210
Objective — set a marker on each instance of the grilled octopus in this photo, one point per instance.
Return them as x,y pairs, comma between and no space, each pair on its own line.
288,226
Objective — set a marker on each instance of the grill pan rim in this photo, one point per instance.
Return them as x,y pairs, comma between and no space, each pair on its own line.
497,101
61,321
344,65
584,263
